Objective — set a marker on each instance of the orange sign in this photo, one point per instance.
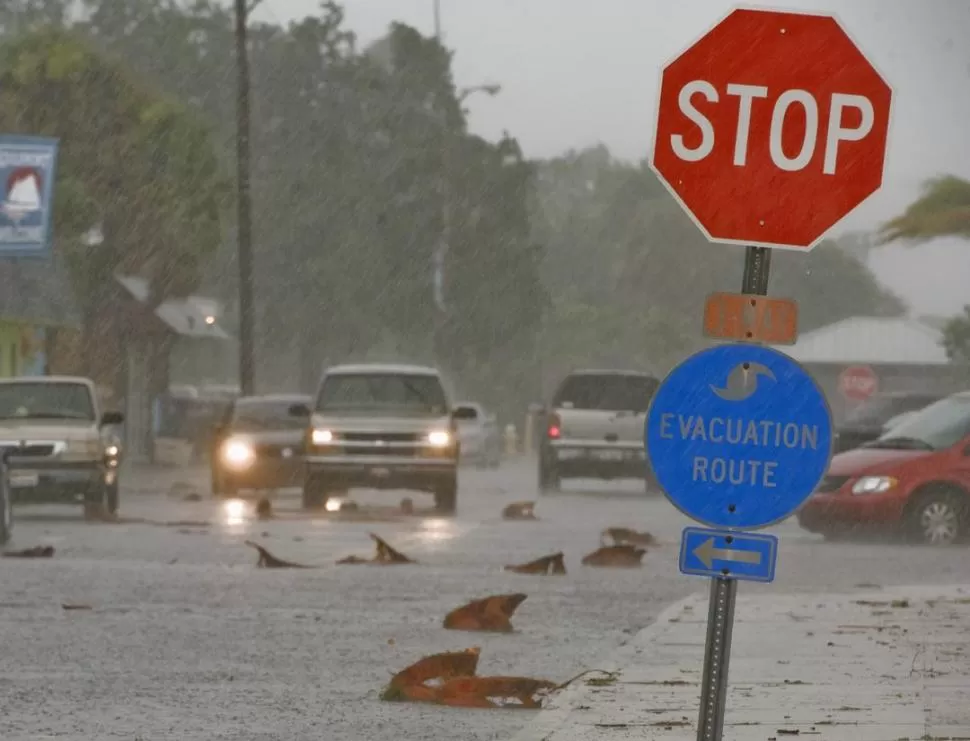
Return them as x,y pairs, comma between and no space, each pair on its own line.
750,318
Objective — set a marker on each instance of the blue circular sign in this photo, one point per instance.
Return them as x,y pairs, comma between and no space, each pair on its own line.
738,436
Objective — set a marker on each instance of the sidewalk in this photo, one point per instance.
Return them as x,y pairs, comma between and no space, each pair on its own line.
889,665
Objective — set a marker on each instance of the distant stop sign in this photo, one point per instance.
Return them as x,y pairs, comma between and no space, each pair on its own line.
858,382
771,128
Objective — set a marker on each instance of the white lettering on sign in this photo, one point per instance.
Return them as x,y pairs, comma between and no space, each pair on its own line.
804,156
836,131
703,122
761,434
719,471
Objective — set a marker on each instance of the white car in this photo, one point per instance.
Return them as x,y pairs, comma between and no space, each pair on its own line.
382,427
478,434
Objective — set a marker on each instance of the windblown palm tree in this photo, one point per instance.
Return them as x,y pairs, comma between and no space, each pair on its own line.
942,211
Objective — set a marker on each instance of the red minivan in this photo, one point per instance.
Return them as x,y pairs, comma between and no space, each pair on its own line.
915,479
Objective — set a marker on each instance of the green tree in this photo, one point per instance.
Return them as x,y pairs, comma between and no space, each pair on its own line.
617,239
942,210
136,164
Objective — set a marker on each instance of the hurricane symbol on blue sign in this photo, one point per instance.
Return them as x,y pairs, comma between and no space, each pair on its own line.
742,381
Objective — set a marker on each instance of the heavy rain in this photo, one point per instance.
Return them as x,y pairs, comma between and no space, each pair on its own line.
369,369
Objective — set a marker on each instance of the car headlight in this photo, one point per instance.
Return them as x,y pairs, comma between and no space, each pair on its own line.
873,485
321,437
238,454
439,439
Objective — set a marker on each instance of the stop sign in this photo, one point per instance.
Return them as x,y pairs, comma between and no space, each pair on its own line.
771,128
858,382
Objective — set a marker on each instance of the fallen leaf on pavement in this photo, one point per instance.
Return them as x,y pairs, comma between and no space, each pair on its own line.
268,561
520,511
493,692
449,679
38,551
625,536
552,564
488,614
69,606
615,556
385,555
440,667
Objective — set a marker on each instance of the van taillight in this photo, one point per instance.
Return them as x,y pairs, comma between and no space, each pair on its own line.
554,430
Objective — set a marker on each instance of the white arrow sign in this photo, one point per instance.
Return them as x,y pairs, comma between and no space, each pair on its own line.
708,554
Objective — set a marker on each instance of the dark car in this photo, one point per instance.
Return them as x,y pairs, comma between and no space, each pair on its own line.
868,421
259,445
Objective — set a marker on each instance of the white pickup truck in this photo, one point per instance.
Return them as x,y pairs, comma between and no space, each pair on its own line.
594,428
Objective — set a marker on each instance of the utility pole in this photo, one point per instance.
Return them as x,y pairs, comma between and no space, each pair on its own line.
445,188
244,231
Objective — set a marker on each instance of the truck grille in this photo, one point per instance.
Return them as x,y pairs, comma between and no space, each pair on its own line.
36,450
385,437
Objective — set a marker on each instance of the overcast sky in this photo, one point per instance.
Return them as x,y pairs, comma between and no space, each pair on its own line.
574,73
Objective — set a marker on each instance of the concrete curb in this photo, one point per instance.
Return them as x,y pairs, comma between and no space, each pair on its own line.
559,710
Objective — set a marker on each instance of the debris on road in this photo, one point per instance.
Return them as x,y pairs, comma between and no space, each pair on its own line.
488,614
73,606
385,555
520,511
441,667
449,679
268,561
552,564
38,551
615,556
625,536
407,506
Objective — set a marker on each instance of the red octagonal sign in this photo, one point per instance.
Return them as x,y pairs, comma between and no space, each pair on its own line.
771,128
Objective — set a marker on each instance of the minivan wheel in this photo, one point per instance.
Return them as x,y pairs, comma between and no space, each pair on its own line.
938,518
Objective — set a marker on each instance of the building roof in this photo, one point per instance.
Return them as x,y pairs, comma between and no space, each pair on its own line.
37,292
872,340
192,316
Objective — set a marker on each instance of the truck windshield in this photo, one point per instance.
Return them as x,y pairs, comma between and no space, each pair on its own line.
607,392
415,394
32,400
254,415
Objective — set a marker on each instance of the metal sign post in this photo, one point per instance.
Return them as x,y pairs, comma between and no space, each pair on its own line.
724,589
6,503
739,435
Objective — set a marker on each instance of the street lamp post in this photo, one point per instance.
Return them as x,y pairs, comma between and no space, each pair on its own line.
244,236
445,179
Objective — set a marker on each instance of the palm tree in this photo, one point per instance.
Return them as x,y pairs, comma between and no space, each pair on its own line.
943,210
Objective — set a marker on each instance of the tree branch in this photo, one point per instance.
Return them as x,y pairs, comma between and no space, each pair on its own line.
253,4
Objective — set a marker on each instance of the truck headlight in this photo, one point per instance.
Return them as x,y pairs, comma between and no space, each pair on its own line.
82,449
873,485
321,437
439,438
238,454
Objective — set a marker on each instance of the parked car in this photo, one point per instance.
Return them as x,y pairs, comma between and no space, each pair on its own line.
58,443
594,428
478,435
383,427
877,414
914,479
258,444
